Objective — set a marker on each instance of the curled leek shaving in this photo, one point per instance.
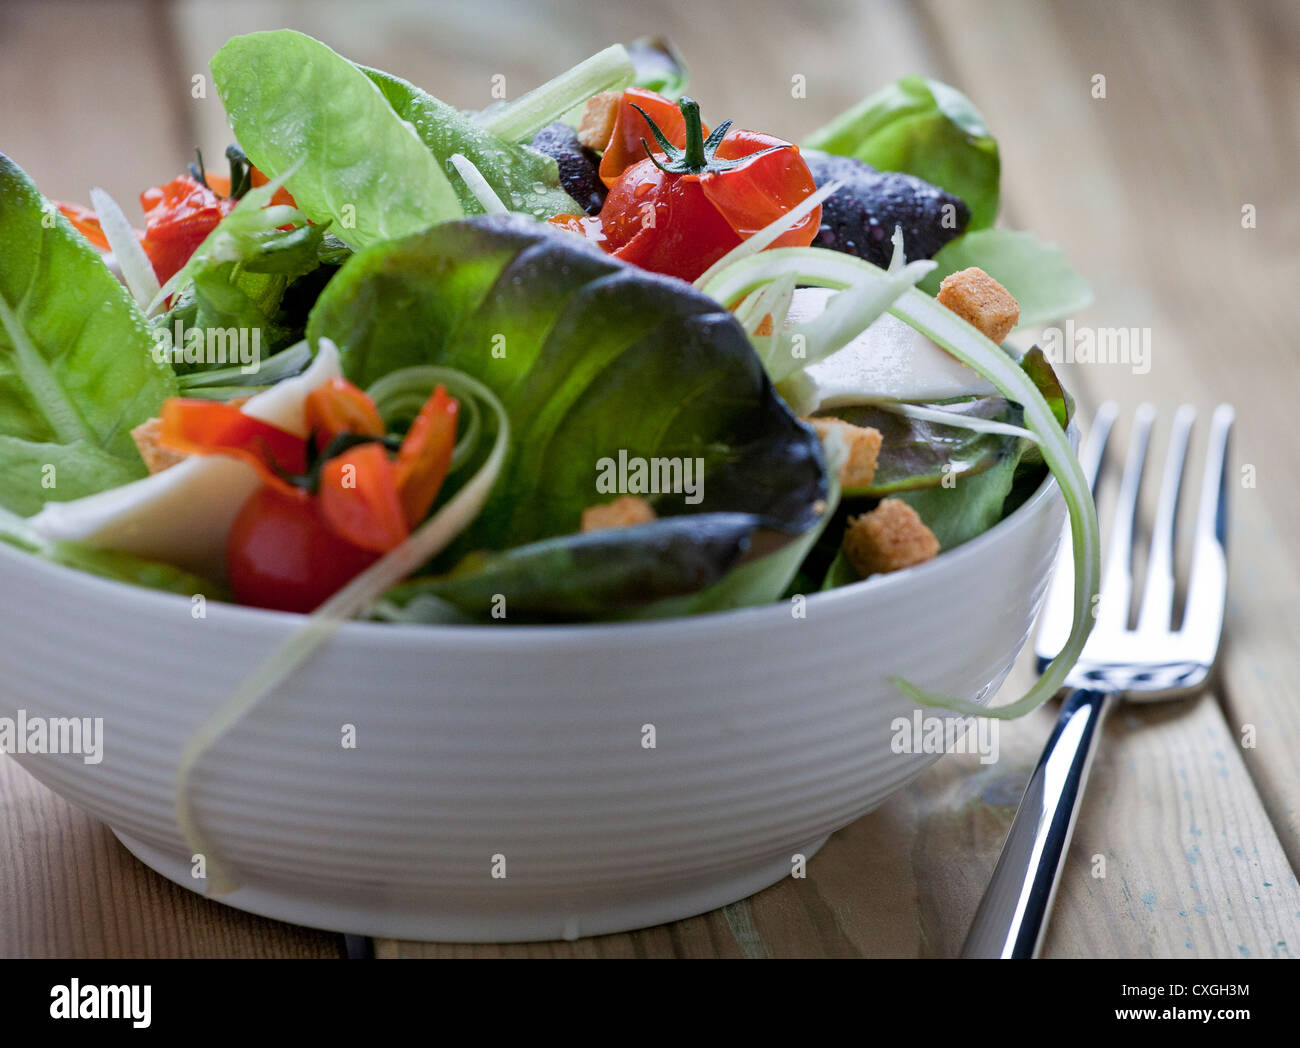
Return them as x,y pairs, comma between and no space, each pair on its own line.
425,542
946,418
401,394
817,266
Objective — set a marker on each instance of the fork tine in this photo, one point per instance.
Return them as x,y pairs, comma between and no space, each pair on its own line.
1117,579
1158,597
1092,453
1207,588
1058,609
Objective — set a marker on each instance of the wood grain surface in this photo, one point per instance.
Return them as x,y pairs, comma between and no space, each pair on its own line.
1188,841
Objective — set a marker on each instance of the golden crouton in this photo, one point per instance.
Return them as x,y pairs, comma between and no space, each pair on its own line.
863,445
156,457
623,512
597,123
980,301
890,537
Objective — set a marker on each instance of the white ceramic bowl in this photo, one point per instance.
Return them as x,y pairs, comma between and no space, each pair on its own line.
472,742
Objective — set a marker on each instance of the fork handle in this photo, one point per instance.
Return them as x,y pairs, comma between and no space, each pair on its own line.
1012,916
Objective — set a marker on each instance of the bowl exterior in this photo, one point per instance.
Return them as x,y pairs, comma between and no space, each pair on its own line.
511,783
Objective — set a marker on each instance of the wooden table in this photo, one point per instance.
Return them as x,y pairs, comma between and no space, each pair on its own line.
1144,189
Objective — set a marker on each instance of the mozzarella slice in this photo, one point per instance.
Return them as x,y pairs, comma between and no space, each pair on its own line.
889,360
182,515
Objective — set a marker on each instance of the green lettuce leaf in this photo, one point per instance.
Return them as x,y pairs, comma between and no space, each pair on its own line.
77,370
524,179
292,101
1037,274
925,128
265,283
972,505
590,357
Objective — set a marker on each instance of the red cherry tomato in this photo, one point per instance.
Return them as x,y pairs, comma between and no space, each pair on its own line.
282,554
208,427
178,217
313,525
340,407
359,499
680,210
425,455
664,223
631,130
86,222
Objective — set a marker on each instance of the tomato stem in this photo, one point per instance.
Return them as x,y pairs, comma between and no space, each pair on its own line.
694,158
698,157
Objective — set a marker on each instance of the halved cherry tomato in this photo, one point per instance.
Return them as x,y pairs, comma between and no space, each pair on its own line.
178,217
631,129
680,210
86,222
359,499
281,553
340,407
332,517
664,223
756,194
207,427
425,455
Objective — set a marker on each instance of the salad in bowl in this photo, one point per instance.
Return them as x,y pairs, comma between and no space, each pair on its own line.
592,356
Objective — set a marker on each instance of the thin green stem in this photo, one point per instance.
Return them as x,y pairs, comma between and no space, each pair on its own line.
695,159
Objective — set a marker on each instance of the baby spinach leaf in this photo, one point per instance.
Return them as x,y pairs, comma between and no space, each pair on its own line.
1040,371
591,358
526,180
1038,275
34,472
293,101
917,453
971,506
924,128
76,359
840,573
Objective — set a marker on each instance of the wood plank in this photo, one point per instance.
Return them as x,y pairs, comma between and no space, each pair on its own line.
1145,189
69,889
742,60
88,99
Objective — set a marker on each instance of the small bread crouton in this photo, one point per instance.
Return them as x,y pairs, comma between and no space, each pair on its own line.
863,445
156,457
980,301
890,537
623,512
597,124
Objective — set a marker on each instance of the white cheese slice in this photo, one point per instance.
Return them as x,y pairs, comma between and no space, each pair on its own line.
889,359
182,515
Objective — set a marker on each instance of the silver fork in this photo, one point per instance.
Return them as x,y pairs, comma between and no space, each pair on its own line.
1152,662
